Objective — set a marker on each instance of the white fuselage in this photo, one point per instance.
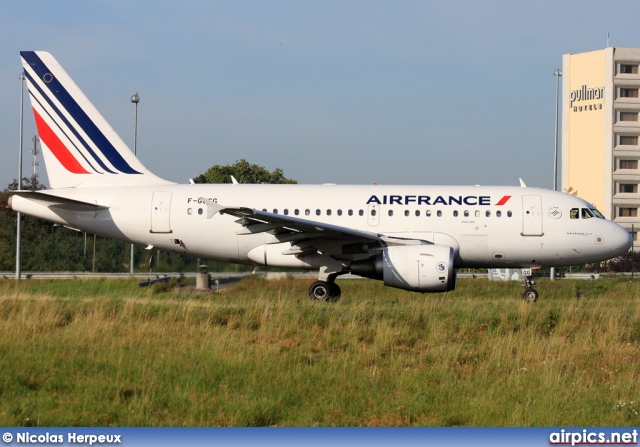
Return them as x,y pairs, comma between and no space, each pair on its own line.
487,226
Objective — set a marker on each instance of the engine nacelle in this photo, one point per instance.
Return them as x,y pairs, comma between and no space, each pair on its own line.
418,268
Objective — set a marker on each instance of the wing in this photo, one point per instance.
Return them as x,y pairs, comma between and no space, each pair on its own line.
305,236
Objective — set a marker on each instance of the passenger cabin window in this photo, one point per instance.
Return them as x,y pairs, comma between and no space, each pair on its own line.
328,212
498,213
390,213
455,213
350,212
307,212
417,213
339,212
427,213
439,213
360,213
406,213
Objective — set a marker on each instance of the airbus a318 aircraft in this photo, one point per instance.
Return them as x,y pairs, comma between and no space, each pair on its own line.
410,237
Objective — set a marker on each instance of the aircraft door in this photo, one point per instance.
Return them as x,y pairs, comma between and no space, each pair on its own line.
373,215
531,215
160,212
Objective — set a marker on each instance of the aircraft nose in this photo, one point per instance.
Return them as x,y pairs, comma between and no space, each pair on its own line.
622,240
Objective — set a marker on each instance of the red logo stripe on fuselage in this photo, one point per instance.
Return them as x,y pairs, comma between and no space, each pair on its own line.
57,147
503,200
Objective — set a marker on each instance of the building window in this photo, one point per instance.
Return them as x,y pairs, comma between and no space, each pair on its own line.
628,187
628,93
627,212
629,140
628,116
629,68
628,164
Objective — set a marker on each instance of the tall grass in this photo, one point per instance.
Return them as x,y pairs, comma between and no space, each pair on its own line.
102,352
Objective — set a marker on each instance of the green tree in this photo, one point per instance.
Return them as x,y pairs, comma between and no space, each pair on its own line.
244,172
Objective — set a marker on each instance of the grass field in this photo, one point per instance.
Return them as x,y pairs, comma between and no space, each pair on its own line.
103,352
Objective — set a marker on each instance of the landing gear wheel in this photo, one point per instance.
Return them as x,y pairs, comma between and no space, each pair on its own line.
530,295
324,291
320,291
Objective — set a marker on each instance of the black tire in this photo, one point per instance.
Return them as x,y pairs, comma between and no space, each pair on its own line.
530,295
335,292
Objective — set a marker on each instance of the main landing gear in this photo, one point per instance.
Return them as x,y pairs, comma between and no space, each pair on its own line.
327,291
530,295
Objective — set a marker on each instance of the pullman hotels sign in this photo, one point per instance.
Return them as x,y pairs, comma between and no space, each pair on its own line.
586,94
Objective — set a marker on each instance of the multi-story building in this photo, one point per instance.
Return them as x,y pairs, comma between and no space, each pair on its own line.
601,130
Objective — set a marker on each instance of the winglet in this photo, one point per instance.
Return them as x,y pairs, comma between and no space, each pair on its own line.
212,207
233,180
522,185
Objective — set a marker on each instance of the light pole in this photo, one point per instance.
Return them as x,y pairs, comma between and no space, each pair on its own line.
557,73
134,99
19,217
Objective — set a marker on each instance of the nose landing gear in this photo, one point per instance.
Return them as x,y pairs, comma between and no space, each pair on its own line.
529,295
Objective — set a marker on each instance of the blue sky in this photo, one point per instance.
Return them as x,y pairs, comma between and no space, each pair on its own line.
351,92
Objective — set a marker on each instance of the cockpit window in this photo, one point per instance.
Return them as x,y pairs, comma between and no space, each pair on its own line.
586,213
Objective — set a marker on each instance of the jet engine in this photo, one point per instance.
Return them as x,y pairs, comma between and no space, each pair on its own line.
418,268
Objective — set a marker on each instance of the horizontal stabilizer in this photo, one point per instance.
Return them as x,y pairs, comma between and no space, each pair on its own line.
62,203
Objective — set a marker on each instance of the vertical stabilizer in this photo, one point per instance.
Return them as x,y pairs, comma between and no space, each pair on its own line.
80,148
